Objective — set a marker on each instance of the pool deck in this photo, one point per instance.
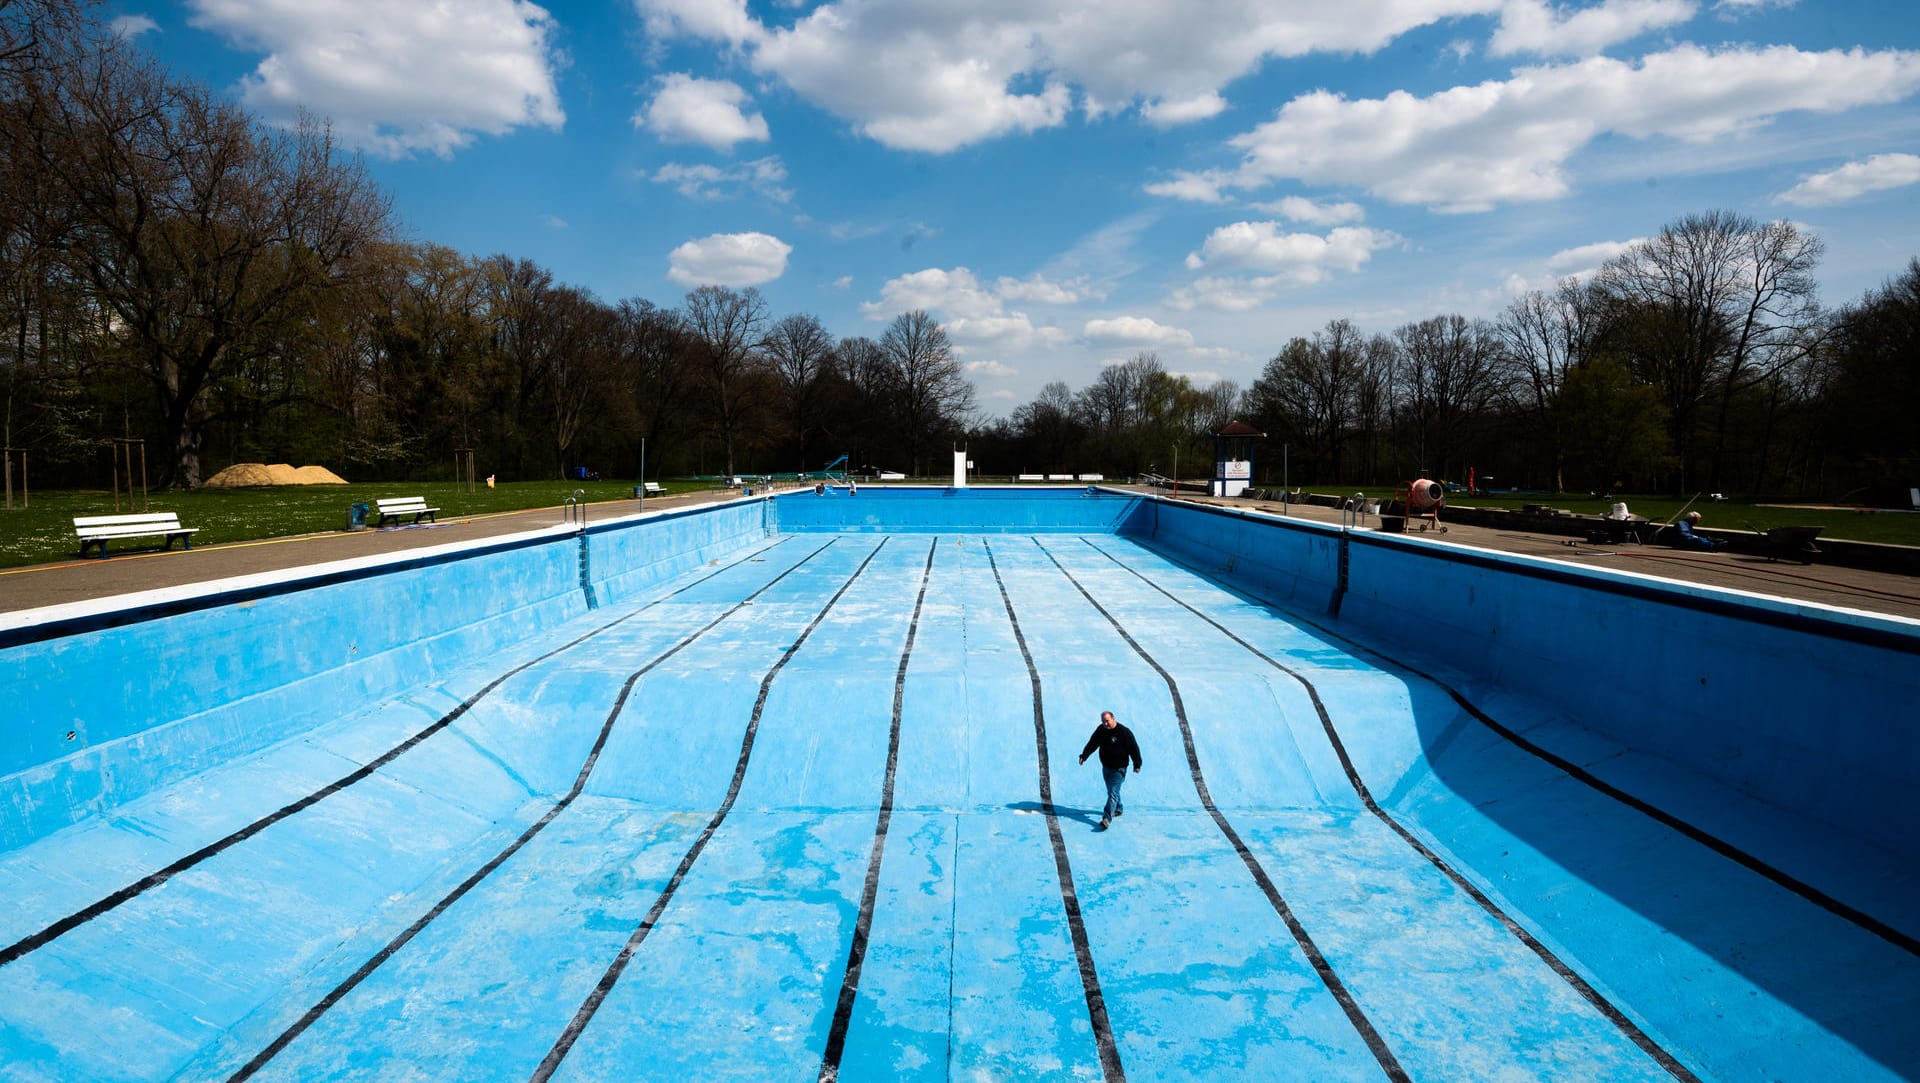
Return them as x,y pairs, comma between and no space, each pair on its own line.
132,572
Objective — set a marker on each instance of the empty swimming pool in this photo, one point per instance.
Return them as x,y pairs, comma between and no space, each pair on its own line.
790,788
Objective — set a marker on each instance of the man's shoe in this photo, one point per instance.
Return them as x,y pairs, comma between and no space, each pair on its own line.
1117,812
1104,824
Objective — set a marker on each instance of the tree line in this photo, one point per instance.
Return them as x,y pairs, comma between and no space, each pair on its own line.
172,270
1699,359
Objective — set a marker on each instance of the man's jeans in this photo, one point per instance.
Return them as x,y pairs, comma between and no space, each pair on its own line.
1114,779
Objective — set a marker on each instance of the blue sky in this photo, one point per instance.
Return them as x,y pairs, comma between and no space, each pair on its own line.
1065,183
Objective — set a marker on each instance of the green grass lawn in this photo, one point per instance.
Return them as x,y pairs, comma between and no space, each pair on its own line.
43,533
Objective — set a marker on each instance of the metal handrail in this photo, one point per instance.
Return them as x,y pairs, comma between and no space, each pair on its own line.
1353,512
575,507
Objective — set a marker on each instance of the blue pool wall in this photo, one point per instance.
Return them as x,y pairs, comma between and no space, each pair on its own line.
1805,707
105,706
925,510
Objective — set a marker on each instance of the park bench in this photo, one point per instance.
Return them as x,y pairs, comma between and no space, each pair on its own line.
1059,477
1093,477
1033,477
652,488
97,530
398,506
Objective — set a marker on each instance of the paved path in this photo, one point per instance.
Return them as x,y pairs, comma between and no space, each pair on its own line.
77,580
1853,588
126,573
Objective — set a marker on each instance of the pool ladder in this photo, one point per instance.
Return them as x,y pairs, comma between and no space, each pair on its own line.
575,507
1353,512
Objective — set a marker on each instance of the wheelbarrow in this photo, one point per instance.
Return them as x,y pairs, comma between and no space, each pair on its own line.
1792,541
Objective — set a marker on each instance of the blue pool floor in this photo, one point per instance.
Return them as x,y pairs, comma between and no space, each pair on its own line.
792,816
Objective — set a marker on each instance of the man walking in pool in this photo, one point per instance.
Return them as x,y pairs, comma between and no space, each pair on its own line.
1116,746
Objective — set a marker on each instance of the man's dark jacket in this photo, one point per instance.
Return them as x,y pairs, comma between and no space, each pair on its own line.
1116,746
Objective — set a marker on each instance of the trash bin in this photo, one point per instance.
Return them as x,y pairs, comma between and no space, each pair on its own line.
357,516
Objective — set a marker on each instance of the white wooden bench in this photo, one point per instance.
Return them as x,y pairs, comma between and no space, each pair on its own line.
652,488
1033,477
398,506
1093,477
98,530
1059,477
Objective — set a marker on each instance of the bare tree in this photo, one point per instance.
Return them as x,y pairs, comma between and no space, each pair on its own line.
1543,335
580,374
1712,304
932,393
199,233
728,324
657,353
1450,384
1047,425
1311,389
39,34
799,350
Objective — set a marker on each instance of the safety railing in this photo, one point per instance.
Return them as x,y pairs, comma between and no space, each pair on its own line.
1353,512
574,508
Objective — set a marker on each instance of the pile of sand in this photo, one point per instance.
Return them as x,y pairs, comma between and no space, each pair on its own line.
245,475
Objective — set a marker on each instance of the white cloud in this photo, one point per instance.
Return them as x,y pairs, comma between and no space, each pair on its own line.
1314,214
973,314
1002,394
1042,290
1193,187
396,79
765,176
989,368
936,76
954,292
725,20
1580,262
1587,258
1853,180
1530,26
1472,147
844,282
1136,331
554,221
704,111
1305,257
1278,260
729,259
132,26
1166,114
1225,294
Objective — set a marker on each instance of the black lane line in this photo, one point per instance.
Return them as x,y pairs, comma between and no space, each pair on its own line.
1368,1033
564,1044
1837,907
1580,985
1110,1066
338,992
35,941
863,926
